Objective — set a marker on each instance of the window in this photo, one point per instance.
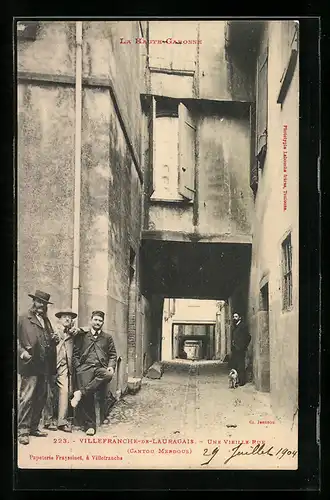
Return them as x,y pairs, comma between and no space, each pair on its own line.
262,108
27,30
132,265
171,151
264,298
287,273
289,55
254,178
259,121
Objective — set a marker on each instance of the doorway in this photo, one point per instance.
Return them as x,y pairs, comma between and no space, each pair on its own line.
195,341
263,330
131,315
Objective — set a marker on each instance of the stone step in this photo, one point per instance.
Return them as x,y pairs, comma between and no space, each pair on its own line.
133,385
197,367
155,371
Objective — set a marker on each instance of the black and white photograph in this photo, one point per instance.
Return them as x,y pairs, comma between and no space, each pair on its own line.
157,243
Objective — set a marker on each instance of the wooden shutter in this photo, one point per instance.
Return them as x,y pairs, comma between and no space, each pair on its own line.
289,57
186,150
262,102
152,145
253,159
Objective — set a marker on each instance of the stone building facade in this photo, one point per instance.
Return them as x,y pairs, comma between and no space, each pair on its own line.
273,290
79,183
149,170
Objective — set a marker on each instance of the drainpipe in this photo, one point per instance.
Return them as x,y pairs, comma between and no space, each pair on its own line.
77,170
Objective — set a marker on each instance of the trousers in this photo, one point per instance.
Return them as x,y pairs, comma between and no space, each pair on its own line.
238,363
93,383
32,399
57,410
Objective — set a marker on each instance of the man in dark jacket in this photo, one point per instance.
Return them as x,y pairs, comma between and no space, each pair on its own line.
36,364
94,359
240,341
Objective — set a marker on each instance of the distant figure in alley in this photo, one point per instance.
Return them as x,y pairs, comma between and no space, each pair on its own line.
94,359
36,365
57,415
240,341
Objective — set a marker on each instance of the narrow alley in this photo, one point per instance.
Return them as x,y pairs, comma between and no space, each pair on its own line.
188,417
158,194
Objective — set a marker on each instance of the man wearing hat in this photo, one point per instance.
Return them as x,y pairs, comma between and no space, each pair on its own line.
94,359
61,387
36,364
240,342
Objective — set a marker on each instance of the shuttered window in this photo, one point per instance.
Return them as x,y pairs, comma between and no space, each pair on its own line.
166,158
152,145
262,107
253,159
286,273
289,35
186,161
172,151
289,56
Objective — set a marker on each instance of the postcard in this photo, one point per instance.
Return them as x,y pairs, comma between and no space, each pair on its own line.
158,244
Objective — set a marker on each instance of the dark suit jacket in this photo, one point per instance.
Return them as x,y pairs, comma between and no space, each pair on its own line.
241,337
31,339
104,345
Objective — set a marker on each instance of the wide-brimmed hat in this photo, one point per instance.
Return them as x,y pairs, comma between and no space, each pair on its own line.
39,295
67,311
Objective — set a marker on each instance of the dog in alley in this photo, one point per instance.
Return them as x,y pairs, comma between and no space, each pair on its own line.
233,379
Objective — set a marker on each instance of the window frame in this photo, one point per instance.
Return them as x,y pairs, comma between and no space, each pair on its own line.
286,272
152,117
261,135
289,65
258,153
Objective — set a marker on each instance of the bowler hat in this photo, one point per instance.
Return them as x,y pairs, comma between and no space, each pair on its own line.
67,311
39,295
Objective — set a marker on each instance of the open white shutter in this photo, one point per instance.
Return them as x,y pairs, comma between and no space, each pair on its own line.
152,145
186,160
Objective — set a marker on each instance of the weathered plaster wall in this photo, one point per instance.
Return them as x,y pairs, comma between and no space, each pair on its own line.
223,203
170,217
218,76
111,191
270,226
53,52
45,174
224,196
215,75
106,57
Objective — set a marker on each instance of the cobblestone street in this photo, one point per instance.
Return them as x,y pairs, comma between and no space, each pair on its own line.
190,409
189,396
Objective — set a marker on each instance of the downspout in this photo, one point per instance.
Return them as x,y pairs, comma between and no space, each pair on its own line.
77,170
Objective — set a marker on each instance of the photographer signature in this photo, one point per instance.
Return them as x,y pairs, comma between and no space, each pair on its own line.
259,449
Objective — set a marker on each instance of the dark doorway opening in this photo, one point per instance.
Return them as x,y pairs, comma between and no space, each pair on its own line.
193,341
263,327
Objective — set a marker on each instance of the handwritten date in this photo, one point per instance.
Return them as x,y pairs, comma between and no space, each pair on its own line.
259,449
